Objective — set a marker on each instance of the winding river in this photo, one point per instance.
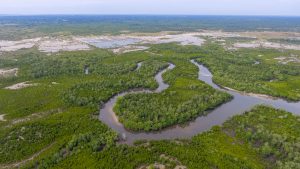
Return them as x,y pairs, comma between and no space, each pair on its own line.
239,104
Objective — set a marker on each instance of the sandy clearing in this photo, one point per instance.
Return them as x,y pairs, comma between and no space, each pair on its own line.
152,53
246,45
130,48
9,46
44,44
250,94
108,42
270,34
128,40
35,116
20,85
183,39
265,44
164,157
169,158
9,72
2,117
280,46
286,60
56,45
221,34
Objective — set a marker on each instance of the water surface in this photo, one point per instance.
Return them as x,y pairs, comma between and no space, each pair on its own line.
239,104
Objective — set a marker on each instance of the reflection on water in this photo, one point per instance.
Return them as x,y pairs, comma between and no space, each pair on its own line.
218,116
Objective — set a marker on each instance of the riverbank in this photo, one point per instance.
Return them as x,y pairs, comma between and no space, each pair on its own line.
217,116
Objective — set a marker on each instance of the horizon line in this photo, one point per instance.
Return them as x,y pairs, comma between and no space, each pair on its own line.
148,15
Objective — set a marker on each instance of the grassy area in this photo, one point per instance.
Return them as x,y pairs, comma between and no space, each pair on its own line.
289,87
254,70
58,121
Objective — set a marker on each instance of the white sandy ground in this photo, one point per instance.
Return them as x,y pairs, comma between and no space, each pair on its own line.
162,166
9,46
55,45
197,38
20,85
9,72
250,94
2,117
130,48
74,43
265,44
33,116
286,60
183,39
221,34
44,44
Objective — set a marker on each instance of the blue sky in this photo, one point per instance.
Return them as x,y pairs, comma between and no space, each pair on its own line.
186,7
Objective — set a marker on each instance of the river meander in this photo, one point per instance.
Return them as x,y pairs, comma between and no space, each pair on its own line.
240,103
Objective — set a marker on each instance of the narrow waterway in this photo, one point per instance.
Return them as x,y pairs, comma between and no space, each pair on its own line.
239,104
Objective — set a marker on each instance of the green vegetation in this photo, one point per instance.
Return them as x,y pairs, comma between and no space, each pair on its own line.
186,99
272,133
75,124
208,150
254,70
261,138
57,123
58,116
58,113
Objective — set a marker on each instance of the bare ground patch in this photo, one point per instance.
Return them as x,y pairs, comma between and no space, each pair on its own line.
286,60
20,85
9,72
44,44
265,44
2,117
130,48
34,116
55,45
9,46
134,40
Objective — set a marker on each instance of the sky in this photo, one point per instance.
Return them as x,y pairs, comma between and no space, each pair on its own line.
152,7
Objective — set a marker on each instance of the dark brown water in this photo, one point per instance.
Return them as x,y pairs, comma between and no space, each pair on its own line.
239,104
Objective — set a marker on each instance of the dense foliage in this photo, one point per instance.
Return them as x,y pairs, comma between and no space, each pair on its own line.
56,122
254,70
272,133
186,99
261,138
